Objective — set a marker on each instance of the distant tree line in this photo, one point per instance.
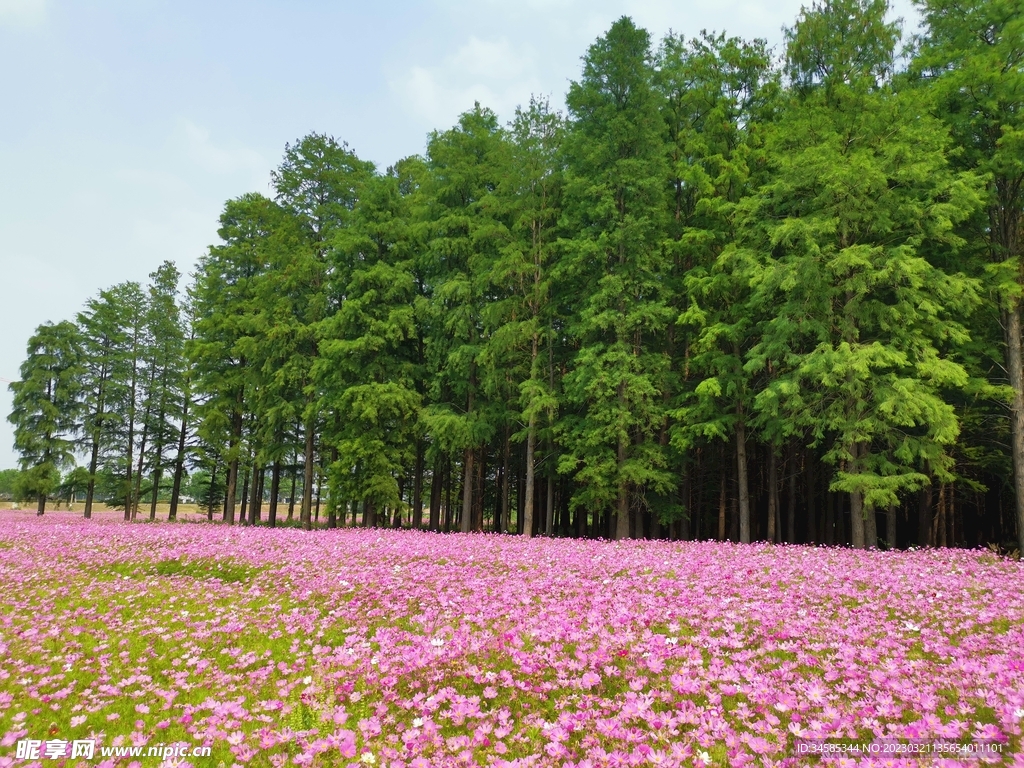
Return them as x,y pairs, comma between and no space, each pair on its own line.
720,298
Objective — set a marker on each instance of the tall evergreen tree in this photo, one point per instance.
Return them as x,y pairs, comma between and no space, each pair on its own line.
115,337
615,205
185,413
528,202
856,321
103,341
972,57
132,429
367,365
465,169
164,395
719,95
225,297
45,408
317,183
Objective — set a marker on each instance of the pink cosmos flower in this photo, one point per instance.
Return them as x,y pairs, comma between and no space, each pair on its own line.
589,680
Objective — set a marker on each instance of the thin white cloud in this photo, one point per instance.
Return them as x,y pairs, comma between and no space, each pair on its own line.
22,12
548,37
490,59
216,159
492,72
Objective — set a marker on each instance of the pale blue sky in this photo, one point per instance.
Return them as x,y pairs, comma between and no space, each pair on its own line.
126,124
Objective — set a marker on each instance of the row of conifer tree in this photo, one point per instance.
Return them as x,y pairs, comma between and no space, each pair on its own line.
726,295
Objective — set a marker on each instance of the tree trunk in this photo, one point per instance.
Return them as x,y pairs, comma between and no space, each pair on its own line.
791,500
501,524
924,516
538,504
478,490
520,494
773,496
684,525
254,498
137,491
291,494
306,510
857,520
696,496
91,487
841,531
830,518
811,494
741,478
448,494
417,488
939,524
1016,374
721,508
436,481
622,509
128,463
318,479
275,491
213,484
95,450
133,392
870,527
551,506
158,456
734,513
259,494
528,493
951,516
467,492
157,476
179,461
245,497
232,482
890,526
856,504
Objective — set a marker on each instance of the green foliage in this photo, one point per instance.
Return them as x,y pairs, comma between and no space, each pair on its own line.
73,484
464,168
45,408
8,483
616,207
855,321
367,370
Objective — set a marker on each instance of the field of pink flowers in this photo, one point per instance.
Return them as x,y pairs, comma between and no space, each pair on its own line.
406,649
